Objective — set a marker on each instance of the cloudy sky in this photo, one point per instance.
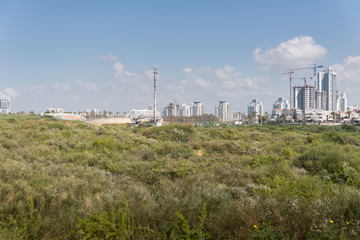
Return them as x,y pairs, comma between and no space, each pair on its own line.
82,55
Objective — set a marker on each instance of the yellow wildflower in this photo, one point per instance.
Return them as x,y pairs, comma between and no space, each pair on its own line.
331,221
255,226
347,223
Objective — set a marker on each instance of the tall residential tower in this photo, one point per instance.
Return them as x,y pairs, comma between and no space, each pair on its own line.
326,82
223,111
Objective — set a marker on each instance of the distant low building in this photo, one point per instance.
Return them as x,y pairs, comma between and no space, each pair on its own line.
53,110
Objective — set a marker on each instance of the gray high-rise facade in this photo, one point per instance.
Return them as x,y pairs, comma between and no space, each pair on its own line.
326,82
304,97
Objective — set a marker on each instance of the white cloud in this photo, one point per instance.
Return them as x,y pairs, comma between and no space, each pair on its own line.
34,88
62,87
349,70
120,72
87,85
11,92
187,70
149,74
297,52
108,57
226,73
219,78
348,76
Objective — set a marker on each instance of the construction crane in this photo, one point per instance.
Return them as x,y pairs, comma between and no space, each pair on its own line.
304,78
291,71
176,100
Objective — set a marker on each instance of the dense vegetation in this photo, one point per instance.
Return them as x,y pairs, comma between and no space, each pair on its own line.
69,180
205,118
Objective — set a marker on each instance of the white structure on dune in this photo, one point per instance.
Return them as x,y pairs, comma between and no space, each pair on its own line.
143,114
4,104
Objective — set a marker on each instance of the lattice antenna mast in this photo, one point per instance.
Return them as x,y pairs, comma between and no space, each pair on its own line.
155,78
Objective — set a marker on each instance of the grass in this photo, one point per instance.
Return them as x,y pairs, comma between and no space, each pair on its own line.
69,180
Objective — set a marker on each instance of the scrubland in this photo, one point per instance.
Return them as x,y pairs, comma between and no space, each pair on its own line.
69,180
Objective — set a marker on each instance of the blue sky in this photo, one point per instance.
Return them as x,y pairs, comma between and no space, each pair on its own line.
82,55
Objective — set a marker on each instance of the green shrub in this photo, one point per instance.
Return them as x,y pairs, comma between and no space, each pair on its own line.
331,163
171,132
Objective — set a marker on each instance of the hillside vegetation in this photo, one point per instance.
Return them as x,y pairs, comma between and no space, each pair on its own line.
69,180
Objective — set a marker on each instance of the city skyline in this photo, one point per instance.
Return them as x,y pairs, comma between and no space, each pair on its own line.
100,55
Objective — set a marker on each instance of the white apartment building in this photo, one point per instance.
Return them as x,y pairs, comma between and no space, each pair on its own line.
341,101
223,111
197,108
4,104
256,107
184,110
281,103
171,110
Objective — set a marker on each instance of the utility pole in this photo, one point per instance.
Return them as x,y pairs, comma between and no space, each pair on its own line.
155,77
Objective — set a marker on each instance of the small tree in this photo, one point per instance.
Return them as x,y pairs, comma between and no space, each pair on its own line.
333,114
348,113
295,116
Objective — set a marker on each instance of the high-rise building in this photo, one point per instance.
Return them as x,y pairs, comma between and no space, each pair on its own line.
255,107
171,110
320,100
4,104
341,101
184,110
326,81
223,111
304,97
281,103
197,108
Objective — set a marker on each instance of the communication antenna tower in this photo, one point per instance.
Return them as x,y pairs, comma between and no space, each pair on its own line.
155,77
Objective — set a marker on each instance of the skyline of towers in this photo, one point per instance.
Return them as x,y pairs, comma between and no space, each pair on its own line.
321,96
